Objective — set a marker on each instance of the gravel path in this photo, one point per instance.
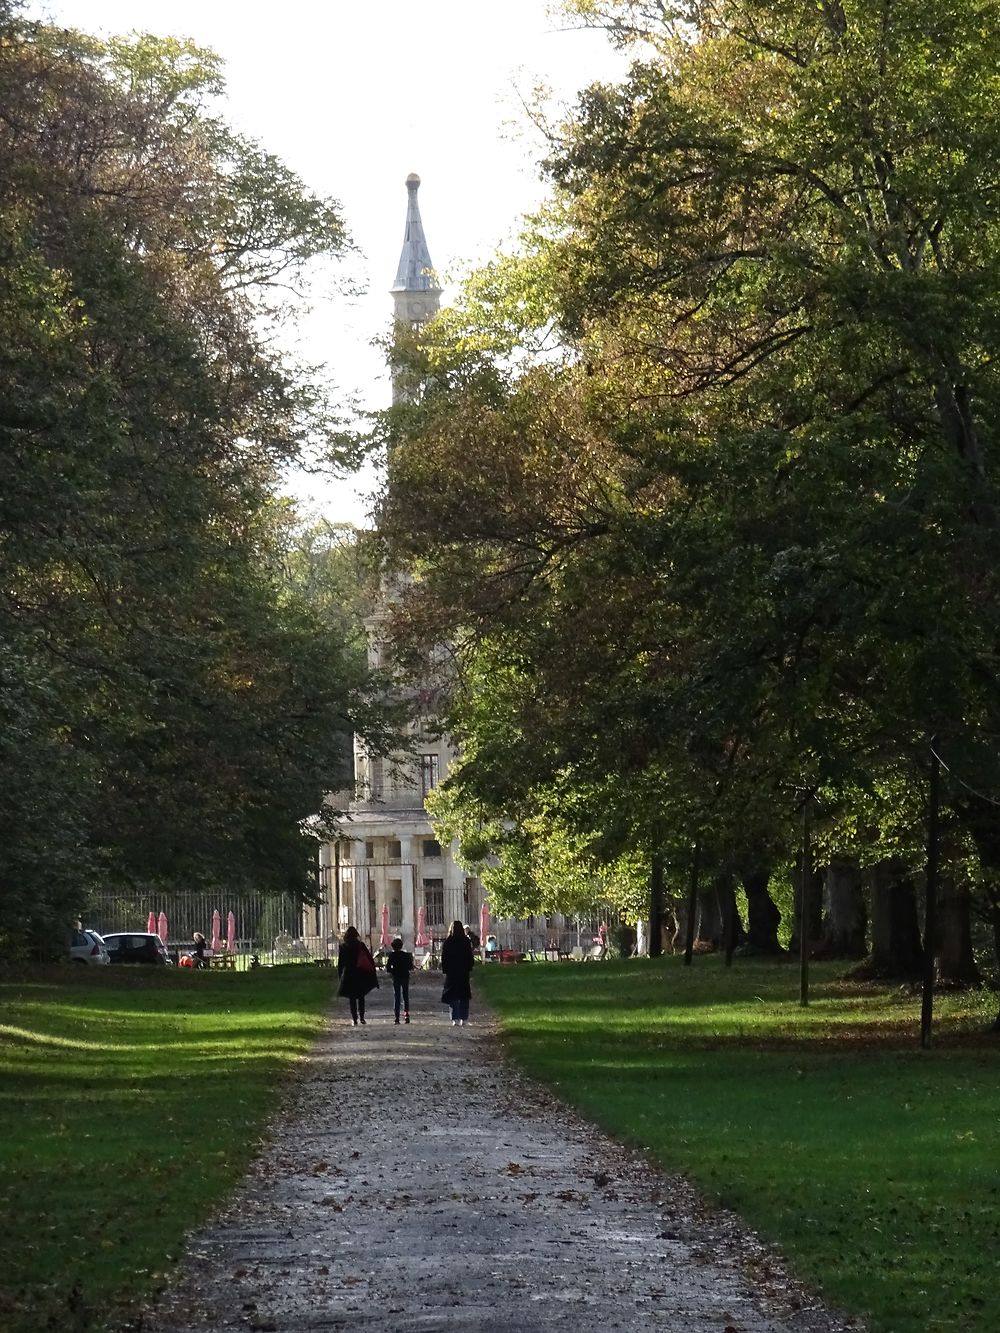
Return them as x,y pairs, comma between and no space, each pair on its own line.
493,1208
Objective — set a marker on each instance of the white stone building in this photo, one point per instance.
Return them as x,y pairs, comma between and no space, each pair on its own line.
392,858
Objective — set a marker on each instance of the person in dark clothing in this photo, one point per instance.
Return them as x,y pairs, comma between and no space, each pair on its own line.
400,964
457,962
356,968
198,952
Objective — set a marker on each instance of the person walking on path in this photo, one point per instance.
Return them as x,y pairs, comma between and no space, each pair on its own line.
400,965
457,962
356,968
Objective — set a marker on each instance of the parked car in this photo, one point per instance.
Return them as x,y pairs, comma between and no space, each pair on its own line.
136,947
86,946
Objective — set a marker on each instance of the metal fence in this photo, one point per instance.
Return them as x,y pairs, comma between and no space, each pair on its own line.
266,924
539,934
273,927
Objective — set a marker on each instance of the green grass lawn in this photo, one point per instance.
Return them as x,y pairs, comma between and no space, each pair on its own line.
875,1166
131,1100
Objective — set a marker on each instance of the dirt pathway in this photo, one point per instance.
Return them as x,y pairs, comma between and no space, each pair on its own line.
415,1182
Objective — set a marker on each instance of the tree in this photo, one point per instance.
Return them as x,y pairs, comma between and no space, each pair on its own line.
744,510
180,706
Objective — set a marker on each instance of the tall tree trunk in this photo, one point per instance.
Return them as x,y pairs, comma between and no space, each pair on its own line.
896,951
955,963
995,923
656,906
733,934
815,906
979,815
763,917
709,918
845,921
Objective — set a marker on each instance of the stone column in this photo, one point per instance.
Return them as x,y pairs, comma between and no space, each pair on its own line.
323,910
454,883
348,887
408,888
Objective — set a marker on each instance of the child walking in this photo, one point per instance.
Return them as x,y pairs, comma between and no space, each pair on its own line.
400,965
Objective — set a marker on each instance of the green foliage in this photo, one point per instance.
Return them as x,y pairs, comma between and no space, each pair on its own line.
704,486
94,1067
864,1159
177,702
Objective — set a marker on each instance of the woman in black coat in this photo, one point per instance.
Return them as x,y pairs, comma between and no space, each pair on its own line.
457,961
356,968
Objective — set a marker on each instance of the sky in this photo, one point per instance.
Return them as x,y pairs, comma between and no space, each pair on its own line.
353,96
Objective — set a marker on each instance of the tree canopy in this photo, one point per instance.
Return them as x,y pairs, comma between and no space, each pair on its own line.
174,701
704,482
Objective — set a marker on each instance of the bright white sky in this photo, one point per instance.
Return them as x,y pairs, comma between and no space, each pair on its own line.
354,95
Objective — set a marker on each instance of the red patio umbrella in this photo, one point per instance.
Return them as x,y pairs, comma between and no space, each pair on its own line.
161,928
151,924
421,941
484,922
385,939
216,931
231,933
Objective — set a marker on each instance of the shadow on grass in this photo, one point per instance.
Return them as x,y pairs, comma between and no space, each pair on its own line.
130,1103
870,1161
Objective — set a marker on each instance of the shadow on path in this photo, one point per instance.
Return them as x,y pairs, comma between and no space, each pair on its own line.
416,1183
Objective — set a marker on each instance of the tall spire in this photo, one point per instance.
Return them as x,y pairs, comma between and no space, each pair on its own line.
415,292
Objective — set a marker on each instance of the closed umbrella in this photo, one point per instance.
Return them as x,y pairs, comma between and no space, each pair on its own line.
231,933
161,928
385,940
421,941
484,922
216,931
151,924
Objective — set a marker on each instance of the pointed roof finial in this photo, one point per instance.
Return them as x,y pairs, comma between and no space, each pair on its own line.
416,271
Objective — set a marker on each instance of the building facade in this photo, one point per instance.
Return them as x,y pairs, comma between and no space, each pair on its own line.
389,865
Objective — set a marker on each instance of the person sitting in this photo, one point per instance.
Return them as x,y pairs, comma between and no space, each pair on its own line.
492,948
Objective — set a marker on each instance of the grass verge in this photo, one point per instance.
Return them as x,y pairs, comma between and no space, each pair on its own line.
131,1100
872,1164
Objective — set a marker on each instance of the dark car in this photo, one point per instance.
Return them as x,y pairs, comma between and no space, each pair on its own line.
135,947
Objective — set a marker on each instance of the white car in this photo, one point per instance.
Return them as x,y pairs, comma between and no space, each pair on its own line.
87,946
